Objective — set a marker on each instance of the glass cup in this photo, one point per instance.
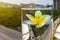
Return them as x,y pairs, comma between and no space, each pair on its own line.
36,23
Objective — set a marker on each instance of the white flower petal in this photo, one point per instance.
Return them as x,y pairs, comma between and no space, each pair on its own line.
31,23
41,25
30,17
38,14
48,19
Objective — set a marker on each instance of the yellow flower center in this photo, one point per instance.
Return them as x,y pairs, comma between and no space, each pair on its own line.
40,20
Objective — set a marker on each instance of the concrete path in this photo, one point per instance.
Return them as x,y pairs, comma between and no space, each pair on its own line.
9,34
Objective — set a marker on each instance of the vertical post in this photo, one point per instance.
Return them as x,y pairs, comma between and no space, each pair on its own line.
56,4
21,22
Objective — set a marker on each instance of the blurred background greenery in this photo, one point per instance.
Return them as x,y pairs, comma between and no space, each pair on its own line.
10,17
56,14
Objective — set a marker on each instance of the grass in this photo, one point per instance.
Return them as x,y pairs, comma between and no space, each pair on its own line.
39,31
56,14
10,17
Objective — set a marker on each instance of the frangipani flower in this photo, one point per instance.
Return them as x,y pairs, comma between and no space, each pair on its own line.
39,20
